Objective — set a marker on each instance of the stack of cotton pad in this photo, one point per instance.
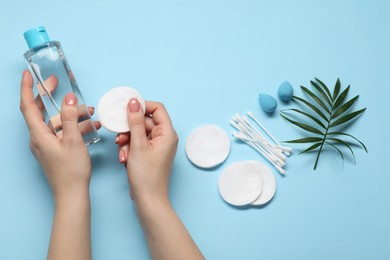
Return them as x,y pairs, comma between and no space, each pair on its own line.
247,183
208,146
112,108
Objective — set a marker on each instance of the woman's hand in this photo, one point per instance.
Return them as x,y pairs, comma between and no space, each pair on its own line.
65,160
67,166
149,151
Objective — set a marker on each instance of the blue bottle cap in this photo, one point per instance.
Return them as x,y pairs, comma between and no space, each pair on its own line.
36,36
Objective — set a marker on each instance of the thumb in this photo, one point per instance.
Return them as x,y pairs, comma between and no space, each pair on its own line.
136,120
69,117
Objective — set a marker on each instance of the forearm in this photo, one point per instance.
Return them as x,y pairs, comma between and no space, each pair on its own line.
70,235
166,235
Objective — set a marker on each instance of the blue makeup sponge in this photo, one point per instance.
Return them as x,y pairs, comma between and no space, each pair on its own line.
285,91
267,103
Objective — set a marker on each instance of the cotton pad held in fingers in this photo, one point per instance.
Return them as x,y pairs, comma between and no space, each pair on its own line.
269,183
112,108
240,183
208,146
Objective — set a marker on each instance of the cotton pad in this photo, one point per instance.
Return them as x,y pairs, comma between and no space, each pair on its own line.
240,183
112,108
208,146
269,183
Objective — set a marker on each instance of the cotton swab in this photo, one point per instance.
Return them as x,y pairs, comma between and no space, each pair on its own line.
273,152
262,139
278,167
266,153
242,137
259,137
249,133
242,124
250,114
244,133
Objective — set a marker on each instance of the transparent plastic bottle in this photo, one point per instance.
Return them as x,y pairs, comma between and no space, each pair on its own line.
54,79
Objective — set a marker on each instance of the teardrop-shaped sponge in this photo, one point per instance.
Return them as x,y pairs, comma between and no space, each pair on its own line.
267,103
285,91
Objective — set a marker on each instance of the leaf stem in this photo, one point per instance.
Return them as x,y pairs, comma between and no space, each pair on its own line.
325,135
322,145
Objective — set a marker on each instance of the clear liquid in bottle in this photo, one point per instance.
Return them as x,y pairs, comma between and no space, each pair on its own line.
54,80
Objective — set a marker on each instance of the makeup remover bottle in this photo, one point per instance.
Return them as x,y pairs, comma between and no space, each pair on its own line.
54,80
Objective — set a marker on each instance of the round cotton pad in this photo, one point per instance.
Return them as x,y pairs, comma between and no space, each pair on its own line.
240,183
112,108
208,146
269,183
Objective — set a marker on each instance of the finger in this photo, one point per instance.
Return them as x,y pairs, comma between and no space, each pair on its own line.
28,107
84,127
69,117
88,126
122,138
40,106
51,83
136,120
48,86
123,151
91,110
98,125
158,113
149,124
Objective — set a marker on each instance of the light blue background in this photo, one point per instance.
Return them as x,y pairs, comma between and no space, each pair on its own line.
207,60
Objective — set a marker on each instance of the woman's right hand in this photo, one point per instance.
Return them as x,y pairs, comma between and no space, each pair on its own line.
148,151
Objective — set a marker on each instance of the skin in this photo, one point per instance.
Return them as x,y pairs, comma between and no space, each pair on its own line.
67,166
148,154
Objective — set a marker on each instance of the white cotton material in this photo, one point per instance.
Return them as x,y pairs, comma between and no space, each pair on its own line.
208,146
240,183
269,183
112,108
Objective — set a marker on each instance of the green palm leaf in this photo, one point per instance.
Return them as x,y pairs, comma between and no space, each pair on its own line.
337,149
339,141
306,114
314,108
315,98
340,133
303,126
305,140
321,91
325,88
314,146
341,98
347,118
336,89
344,107
336,105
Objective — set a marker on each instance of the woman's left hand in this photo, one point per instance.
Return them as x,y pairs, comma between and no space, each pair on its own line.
65,159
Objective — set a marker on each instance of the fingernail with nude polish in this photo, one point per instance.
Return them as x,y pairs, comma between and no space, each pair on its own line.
70,99
134,105
121,156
